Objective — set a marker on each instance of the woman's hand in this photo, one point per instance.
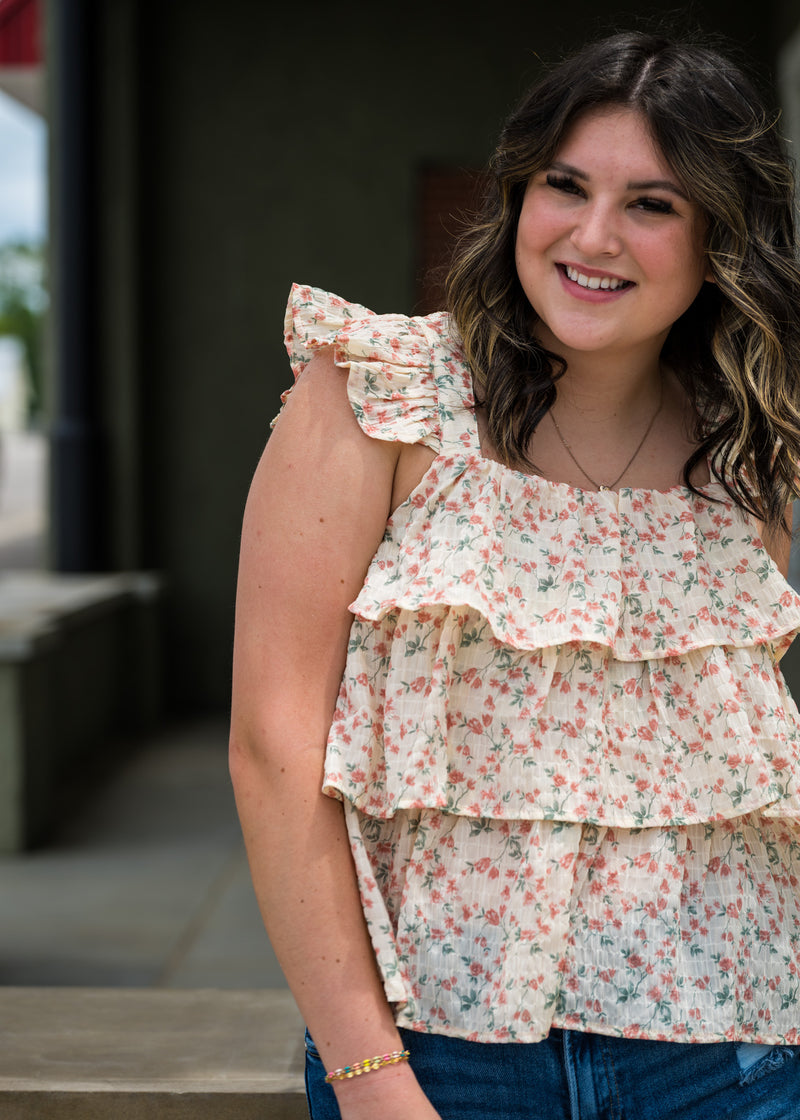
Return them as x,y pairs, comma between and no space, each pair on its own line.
392,1094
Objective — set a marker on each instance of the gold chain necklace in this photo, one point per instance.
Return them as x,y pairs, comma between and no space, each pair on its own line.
639,446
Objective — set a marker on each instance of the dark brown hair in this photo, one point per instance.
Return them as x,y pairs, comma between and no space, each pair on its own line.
737,348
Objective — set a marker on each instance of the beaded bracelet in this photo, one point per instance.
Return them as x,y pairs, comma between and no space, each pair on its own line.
368,1065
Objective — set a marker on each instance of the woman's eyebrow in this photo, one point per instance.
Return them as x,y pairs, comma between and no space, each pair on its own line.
659,185
568,169
638,185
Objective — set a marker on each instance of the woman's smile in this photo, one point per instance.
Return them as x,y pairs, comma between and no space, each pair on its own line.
592,285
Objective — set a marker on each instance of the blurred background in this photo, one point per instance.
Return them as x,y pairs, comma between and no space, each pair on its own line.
167,170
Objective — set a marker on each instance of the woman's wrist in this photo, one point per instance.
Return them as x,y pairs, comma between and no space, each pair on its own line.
395,1078
367,1065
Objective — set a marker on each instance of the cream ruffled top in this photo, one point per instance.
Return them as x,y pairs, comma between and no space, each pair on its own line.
568,759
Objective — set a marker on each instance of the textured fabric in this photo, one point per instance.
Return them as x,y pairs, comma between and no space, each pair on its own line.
568,758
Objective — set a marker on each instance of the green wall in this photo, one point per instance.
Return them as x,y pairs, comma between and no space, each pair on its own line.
264,146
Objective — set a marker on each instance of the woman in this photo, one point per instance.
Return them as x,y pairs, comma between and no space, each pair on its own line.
521,568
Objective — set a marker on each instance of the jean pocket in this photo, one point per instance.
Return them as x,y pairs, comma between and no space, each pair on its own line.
757,1059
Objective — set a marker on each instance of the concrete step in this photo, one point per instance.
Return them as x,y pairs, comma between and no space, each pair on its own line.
134,1054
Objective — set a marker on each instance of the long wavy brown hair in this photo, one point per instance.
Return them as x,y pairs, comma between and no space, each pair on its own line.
736,350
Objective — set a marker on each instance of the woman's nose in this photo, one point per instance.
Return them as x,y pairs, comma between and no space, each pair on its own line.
596,231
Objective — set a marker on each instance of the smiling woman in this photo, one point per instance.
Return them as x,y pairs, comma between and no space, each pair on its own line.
574,227
716,163
518,772
610,253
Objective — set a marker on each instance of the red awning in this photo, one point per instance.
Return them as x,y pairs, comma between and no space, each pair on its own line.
21,53
19,33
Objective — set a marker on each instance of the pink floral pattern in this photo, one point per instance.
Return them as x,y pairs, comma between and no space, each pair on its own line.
568,758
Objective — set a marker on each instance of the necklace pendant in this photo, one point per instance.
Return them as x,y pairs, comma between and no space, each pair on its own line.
602,488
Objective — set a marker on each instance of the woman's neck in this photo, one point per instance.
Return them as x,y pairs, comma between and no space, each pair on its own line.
603,395
602,386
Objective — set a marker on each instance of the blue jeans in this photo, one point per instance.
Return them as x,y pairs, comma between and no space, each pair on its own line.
576,1076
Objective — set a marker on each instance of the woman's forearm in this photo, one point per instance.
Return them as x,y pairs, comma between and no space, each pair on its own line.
306,886
305,882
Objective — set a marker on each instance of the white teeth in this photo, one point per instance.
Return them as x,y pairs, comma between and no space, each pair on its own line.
594,282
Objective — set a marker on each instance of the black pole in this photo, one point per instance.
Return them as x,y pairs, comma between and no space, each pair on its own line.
75,453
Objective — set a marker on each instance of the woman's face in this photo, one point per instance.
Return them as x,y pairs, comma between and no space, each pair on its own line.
609,247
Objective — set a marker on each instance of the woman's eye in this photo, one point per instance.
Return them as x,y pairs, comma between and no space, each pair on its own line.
563,183
654,205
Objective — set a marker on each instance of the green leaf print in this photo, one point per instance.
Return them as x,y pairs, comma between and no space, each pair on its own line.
470,637
469,1000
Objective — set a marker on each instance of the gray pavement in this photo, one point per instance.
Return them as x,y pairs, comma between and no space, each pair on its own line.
145,884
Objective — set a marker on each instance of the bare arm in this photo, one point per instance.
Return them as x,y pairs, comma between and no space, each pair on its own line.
315,515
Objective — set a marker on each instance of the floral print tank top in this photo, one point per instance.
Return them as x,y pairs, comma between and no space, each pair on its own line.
568,759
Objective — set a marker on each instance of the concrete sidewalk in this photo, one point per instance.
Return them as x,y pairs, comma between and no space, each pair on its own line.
145,884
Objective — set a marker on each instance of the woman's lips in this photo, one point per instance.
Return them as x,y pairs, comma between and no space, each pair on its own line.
592,294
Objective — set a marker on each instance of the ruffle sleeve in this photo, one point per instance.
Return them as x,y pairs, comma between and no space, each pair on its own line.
390,361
